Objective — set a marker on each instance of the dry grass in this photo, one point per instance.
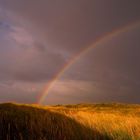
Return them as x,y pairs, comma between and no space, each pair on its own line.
114,125
70,122
117,121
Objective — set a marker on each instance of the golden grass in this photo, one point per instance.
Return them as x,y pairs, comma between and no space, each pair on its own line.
109,123
90,122
118,121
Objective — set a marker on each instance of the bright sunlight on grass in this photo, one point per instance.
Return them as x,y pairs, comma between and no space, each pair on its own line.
70,122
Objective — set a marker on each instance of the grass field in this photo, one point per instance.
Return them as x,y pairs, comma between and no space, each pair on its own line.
70,122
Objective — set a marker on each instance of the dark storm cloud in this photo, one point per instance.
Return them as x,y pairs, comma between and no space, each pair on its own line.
24,58
37,38
74,24
38,65
113,73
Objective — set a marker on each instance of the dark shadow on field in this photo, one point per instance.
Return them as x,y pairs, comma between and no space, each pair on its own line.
30,123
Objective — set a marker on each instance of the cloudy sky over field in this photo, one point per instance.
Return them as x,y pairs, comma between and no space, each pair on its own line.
39,38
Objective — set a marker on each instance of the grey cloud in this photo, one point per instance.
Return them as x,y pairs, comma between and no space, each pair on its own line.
71,25
37,38
114,68
24,57
69,92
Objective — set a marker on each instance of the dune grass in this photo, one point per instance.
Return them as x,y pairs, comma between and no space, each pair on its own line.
70,122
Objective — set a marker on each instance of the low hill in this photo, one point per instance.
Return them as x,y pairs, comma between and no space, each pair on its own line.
70,122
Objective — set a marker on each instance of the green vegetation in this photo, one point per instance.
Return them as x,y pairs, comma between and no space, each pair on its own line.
70,122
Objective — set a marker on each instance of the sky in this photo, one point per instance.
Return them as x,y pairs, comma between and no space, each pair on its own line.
39,38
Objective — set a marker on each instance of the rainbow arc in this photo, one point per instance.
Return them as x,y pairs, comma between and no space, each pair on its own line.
85,50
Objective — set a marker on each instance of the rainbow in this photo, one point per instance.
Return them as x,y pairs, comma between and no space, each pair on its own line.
76,57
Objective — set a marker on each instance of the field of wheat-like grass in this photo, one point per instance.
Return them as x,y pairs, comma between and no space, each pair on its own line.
70,122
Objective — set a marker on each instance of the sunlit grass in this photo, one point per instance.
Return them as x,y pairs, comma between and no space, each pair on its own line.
118,121
70,122
110,124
